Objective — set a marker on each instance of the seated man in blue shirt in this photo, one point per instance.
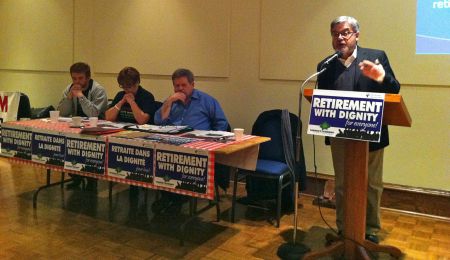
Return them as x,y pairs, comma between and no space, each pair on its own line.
194,108
189,106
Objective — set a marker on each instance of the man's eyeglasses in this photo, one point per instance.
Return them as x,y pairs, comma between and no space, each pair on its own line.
345,34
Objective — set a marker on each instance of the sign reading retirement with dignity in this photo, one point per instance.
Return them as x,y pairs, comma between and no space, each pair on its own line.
181,168
85,154
346,114
16,141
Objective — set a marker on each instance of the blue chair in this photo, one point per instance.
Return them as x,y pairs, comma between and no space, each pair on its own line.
271,164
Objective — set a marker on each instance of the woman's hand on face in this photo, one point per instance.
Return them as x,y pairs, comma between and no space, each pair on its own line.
129,98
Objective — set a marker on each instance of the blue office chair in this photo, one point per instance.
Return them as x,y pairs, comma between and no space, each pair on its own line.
272,172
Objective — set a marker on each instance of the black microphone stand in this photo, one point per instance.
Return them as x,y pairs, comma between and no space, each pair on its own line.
294,250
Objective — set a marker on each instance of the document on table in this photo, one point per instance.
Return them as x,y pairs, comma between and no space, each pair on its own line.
211,133
164,129
108,124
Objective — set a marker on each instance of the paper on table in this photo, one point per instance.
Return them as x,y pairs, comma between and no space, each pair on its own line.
159,128
60,119
108,124
211,133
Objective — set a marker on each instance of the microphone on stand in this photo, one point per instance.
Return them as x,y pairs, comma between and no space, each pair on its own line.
323,67
294,250
337,54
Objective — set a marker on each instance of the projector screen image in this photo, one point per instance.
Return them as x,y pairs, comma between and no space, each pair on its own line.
433,27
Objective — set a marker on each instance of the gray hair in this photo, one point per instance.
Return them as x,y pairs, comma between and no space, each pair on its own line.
342,19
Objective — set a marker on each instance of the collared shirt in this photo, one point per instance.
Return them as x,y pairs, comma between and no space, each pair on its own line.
350,59
203,112
80,112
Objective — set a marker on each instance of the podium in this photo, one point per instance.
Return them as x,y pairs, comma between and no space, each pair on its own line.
354,246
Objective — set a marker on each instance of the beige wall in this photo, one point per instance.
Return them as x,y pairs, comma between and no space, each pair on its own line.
382,26
236,43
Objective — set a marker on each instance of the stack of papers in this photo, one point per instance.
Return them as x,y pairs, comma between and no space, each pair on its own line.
211,133
166,129
108,124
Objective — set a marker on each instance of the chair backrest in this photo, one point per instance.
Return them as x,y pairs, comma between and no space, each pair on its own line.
24,107
157,105
41,112
268,124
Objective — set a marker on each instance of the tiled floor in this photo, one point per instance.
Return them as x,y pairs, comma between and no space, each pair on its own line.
80,225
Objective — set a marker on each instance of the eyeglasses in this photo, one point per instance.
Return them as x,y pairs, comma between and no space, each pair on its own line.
345,34
127,86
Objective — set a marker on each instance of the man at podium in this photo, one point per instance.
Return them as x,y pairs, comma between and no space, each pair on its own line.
357,69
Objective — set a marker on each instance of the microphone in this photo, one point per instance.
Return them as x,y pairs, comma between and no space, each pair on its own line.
337,54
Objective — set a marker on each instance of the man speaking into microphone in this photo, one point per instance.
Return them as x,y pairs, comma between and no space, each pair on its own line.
353,68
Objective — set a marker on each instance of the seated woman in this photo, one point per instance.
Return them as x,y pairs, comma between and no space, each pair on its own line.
134,104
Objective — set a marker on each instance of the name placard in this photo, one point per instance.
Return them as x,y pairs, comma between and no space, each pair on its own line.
130,159
48,148
16,141
347,114
85,153
182,168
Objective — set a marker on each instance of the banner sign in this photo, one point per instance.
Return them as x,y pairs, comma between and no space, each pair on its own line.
48,148
130,159
9,106
346,114
85,153
182,168
16,141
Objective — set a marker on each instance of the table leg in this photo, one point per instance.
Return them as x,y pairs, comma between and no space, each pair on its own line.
233,201
47,185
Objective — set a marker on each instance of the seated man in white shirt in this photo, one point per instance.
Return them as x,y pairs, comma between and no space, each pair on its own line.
86,98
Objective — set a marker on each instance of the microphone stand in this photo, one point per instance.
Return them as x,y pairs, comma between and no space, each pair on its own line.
294,250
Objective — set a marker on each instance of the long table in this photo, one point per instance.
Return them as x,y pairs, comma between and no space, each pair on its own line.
181,164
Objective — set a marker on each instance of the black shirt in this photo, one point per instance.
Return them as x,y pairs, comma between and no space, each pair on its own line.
145,101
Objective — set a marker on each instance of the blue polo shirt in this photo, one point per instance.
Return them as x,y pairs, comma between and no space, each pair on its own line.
202,113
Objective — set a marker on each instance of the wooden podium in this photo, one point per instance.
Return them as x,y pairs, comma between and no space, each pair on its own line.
355,190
